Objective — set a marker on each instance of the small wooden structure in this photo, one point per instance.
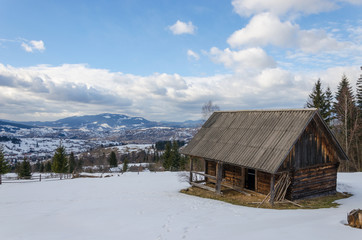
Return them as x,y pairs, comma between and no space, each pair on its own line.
287,154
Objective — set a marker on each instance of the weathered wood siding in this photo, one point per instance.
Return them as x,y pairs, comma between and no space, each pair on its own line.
313,147
211,168
232,175
313,181
263,181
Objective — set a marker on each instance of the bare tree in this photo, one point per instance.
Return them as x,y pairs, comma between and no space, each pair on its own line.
208,108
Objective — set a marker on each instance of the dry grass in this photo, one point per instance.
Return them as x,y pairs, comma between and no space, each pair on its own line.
254,200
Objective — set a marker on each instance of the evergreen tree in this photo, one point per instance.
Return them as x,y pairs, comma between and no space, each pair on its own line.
167,160
113,160
329,106
48,167
318,99
72,163
125,165
347,119
4,166
359,93
42,167
60,161
175,156
36,167
25,169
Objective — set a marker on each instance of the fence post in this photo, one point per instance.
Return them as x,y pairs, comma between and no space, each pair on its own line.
40,178
0,179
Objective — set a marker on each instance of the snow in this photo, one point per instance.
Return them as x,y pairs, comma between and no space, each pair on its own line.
105,125
149,206
134,148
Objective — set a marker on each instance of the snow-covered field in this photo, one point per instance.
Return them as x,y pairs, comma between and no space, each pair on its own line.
149,206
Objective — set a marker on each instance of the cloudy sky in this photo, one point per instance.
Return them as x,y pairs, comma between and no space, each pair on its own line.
163,59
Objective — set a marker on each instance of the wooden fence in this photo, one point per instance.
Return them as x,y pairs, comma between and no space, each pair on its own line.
35,178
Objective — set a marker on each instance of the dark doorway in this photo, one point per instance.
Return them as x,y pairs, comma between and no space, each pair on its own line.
250,179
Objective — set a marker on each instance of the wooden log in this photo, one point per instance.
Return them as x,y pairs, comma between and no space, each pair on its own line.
191,168
218,177
272,191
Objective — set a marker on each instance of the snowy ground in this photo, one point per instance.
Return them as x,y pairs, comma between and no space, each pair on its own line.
149,206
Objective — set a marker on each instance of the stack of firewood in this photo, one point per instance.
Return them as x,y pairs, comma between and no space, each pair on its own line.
355,218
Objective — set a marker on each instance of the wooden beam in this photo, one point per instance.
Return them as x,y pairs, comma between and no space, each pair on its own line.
272,190
206,168
219,167
191,168
203,187
203,174
243,177
256,180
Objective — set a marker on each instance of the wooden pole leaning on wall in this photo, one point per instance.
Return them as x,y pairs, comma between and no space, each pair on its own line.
191,168
219,167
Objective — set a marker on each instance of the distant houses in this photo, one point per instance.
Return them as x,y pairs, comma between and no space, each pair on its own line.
267,150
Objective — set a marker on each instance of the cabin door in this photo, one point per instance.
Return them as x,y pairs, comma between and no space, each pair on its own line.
250,179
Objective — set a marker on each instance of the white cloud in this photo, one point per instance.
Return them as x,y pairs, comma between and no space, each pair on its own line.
52,92
192,55
267,29
33,45
280,7
247,60
182,28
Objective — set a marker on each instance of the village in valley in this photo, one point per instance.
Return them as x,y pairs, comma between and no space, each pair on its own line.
169,120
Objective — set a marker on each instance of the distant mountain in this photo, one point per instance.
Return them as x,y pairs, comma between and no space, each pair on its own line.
103,121
12,127
102,126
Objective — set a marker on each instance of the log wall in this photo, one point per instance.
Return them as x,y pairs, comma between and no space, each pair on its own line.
263,181
211,168
313,181
235,176
232,175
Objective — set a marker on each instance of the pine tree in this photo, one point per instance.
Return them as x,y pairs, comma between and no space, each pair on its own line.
175,156
113,160
125,165
4,166
347,119
319,99
167,160
60,161
48,166
359,93
72,163
25,169
42,167
329,107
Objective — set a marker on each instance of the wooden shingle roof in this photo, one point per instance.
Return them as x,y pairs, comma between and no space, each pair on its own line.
258,139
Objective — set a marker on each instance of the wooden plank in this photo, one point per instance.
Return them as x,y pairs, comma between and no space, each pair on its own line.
203,187
205,175
191,168
272,190
218,177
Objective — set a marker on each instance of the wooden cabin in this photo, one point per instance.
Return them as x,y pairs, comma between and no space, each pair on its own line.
260,150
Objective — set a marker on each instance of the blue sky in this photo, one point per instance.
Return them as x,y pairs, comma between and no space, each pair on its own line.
163,59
